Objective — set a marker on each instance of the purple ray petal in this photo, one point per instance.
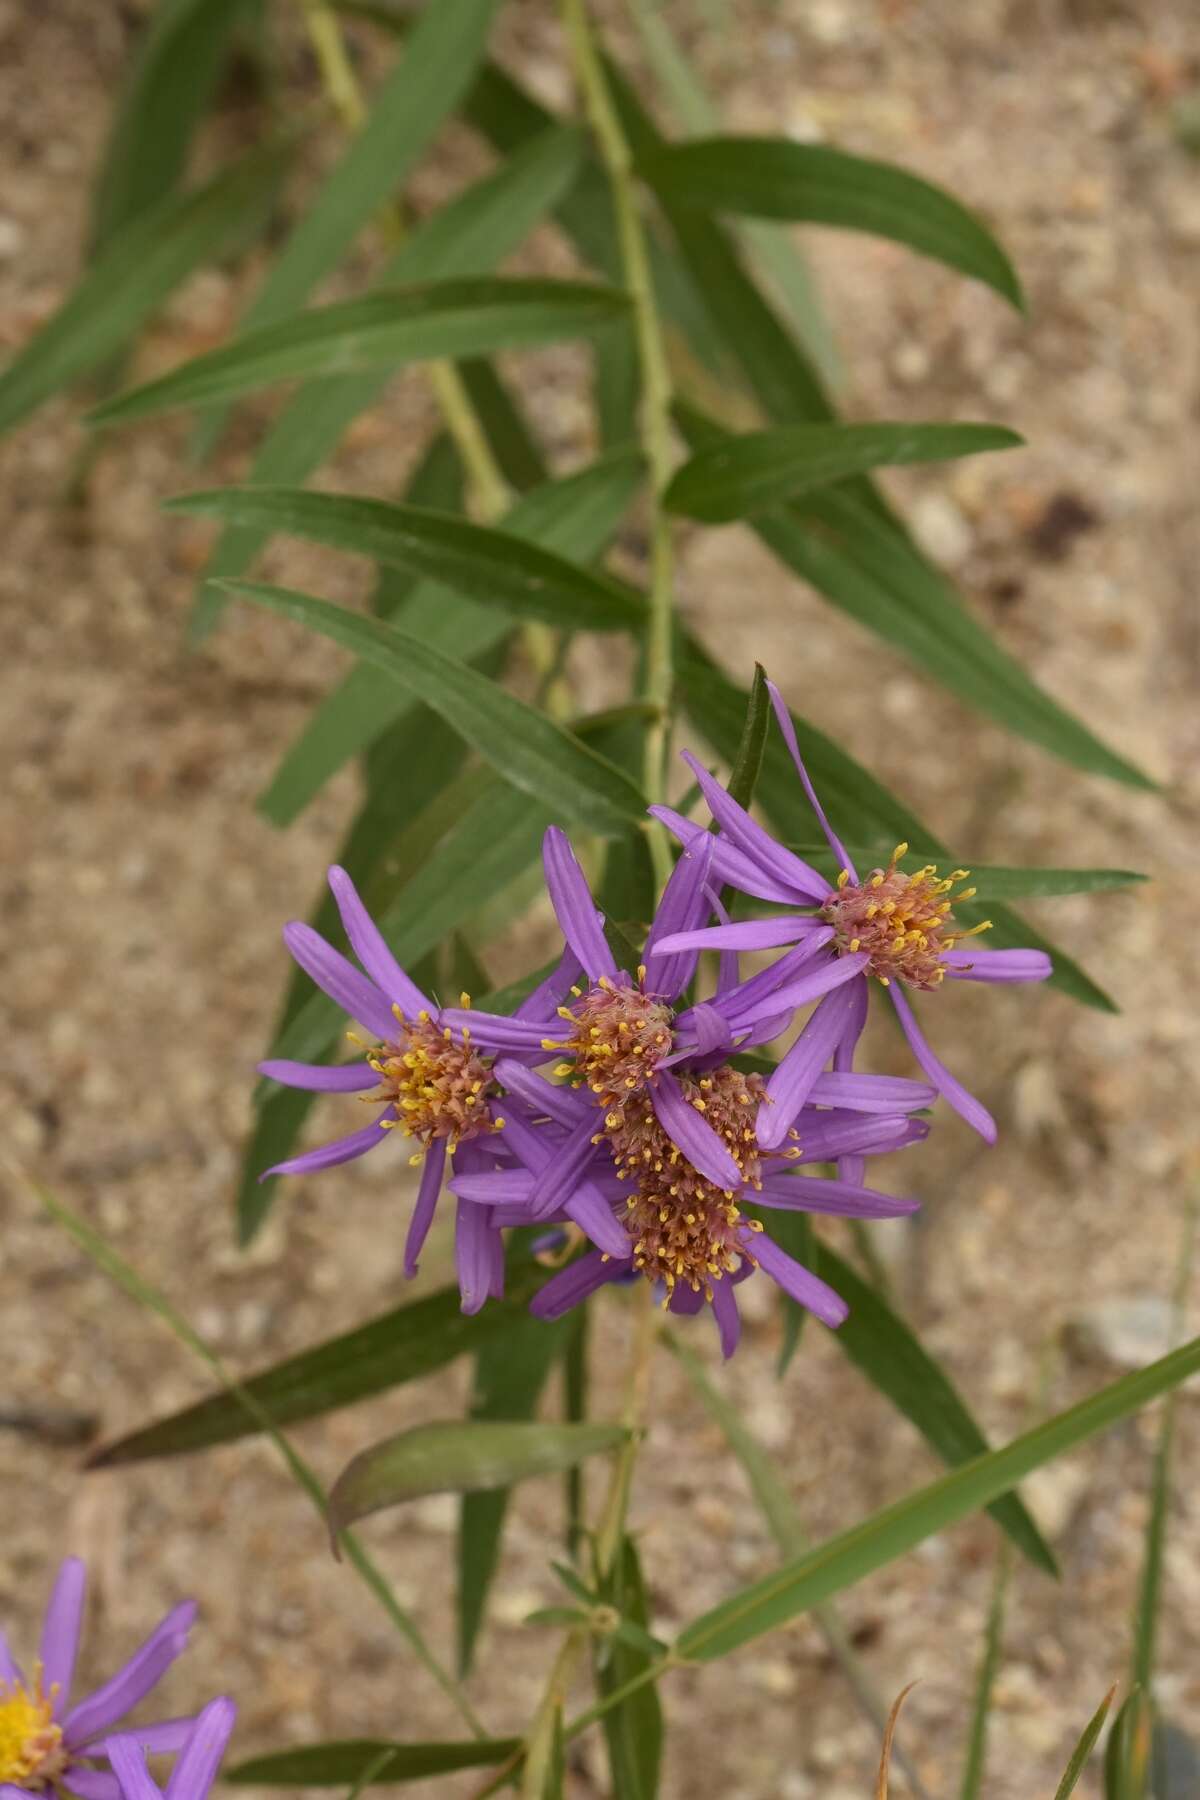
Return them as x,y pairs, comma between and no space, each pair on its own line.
550,993
789,736
562,1104
341,1150
574,907
747,934
129,1766
684,905
708,1030
89,1784
575,1283
560,1174
691,1132
789,1087
835,973
339,979
997,965
476,1246
10,1668
685,1301
494,1187
871,1093
851,1162
725,1312
750,838
728,863
164,1737
144,1670
367,942
804,1287
8,1791
952,1090
812,1193
426,1205
60,1633
321,1078
742,1000
827,1136
728,971
196,1769
594,1215
496,1031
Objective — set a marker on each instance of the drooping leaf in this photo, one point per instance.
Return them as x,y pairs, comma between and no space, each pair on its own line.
383,330
467,236
747,763
506,1386
889,1534
497,567
773,178
867,568
341,1763
460,1456
133,276
740,476
171,79
861,808
633,1728
1084,1747
575,516
405,1344
526,748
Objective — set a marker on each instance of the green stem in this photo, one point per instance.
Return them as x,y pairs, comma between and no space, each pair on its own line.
655,411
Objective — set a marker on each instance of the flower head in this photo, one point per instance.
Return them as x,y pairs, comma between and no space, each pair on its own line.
890,925
195,1768
42,1735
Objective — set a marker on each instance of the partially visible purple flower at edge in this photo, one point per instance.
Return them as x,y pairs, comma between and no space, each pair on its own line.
43,1736
891,925
195,1768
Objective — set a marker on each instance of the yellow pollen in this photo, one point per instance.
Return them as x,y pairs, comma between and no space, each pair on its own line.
31,1750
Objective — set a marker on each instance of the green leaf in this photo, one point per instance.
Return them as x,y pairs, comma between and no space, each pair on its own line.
867,568
1083,1748
402,1345
1127,1754
506,1386
992,881
382,330
169,85
985,1682
861,808
336,1763
889,1534
743,777
526,748
133,276
452,1456
745,474
425,87
576,515
467,236
633,1728
772,178
503,570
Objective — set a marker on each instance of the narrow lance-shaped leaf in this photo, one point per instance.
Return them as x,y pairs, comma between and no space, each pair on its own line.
743,776
383,330
467,236
633,1729
772,178
574,516
454,1456
739,476
368,1760
429,80
133,276
1084,1748
498,568
869,569
524,746
170,82
991,881
887,1535
405,1344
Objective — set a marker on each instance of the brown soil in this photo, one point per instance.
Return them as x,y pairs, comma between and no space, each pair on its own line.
142,897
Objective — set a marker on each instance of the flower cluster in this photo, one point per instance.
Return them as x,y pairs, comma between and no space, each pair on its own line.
48,1744
625,1107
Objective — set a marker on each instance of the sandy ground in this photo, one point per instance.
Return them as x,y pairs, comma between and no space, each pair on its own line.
142,896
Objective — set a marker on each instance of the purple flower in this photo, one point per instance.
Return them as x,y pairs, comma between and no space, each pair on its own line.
42,1735
430,1081
195,1768
895,926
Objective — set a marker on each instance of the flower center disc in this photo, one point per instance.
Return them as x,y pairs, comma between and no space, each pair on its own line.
31,1750
438,1087
903,922
617,1035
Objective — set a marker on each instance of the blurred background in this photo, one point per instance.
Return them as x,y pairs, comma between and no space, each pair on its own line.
142,897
